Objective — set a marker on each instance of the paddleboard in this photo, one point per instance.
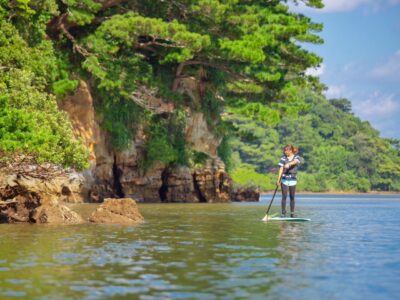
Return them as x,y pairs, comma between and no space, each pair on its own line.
287,219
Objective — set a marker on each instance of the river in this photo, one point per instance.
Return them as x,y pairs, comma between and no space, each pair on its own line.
349,250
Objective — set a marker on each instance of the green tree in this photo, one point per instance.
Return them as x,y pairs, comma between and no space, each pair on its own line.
30,121
340,152
342,104
245,57
243,52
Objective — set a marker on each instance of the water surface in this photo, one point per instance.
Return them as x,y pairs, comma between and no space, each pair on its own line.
350,250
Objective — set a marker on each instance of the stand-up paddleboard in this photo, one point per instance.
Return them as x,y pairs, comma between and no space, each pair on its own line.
275,218
287,219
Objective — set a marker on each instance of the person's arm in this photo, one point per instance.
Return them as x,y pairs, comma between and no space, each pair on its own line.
278,182
292,163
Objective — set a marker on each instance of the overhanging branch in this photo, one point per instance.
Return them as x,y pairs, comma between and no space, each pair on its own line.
222,67
76,47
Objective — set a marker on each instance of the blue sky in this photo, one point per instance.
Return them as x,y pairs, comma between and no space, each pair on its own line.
362,57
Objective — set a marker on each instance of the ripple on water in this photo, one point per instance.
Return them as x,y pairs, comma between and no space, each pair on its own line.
11,293
211,252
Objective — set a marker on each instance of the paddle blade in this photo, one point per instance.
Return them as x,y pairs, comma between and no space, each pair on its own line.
269,216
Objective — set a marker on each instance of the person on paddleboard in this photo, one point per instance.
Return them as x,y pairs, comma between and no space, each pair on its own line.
288,164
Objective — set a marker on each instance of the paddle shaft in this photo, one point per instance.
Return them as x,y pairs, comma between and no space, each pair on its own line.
269,206
276,189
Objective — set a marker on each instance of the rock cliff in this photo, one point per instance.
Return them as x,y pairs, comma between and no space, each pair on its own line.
117,174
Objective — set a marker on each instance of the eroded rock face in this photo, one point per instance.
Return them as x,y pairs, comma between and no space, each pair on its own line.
80,109
197,131
246,194
199,136
71,187
32,200
135,183
17,204
118,174
178,185
117,211
212,183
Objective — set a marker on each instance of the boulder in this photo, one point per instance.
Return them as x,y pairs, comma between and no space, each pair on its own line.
23,201
55,214
117,211
249,194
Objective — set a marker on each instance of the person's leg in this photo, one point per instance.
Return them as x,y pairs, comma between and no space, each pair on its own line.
284,196
292,192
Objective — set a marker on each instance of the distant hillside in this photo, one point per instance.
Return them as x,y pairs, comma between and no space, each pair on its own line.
340,152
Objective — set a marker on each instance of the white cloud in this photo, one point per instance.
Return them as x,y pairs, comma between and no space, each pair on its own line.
354,67
389,69
342,5
332,6
316,72
381,111
336,91
378,106
353,71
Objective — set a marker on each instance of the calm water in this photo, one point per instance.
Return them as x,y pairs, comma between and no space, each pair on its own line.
350,250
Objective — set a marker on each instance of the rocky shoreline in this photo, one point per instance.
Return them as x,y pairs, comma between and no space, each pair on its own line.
26,198
36,193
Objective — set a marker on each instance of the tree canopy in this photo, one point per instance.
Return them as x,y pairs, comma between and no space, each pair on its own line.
245,55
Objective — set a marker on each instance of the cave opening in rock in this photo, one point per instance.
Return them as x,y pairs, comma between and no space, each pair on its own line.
163,191
117,173
221,182
199,194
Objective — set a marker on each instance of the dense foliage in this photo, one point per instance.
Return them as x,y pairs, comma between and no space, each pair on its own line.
242,52
30,121
339,151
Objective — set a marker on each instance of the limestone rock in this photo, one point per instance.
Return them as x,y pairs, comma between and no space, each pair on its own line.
199,136
178,186
142,186
118,174
32,200
71,187
17,205
212,183
246,194
117,211
55,214
80,109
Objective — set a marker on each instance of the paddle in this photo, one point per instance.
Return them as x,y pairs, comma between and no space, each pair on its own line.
269,206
